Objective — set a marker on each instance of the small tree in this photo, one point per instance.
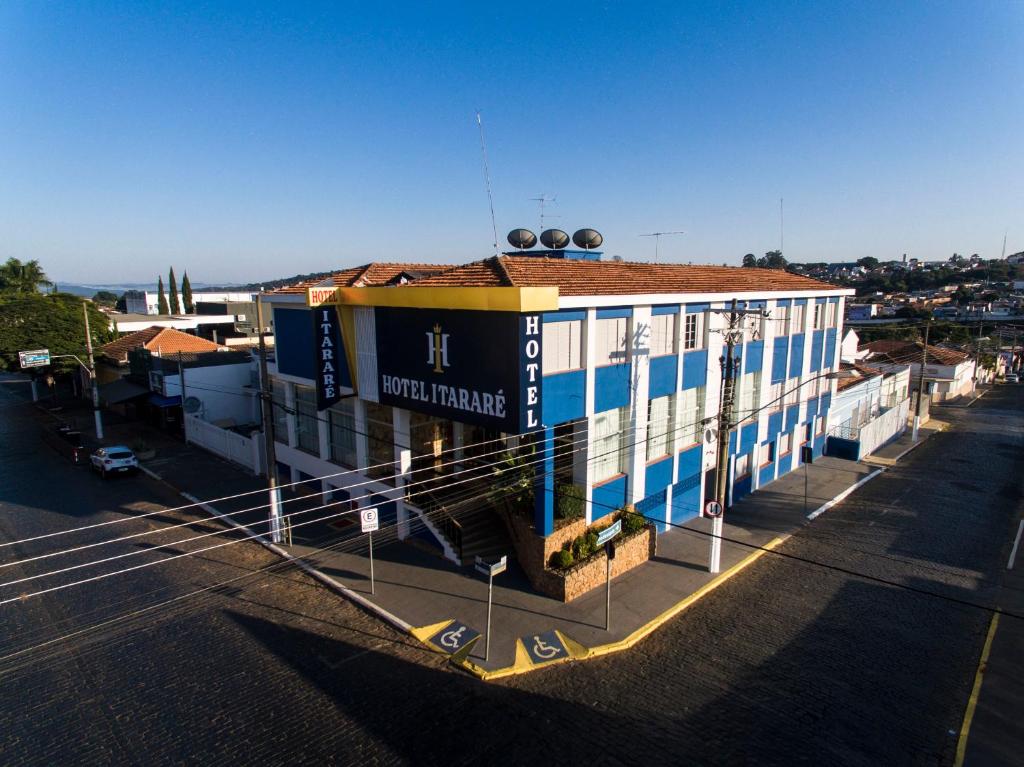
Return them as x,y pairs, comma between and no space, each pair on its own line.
186,294
161,300
773,260
868,262
750,261
173,287
105,297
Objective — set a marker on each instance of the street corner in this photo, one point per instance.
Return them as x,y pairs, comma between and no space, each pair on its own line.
449,637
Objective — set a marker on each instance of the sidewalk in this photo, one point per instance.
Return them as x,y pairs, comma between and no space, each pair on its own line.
427,593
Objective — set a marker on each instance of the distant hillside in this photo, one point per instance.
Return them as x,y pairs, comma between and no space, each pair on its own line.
90,290
271,284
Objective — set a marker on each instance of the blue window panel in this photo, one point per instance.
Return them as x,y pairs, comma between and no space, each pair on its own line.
799,302
766,474
796,358
671,309
779,359
614,312
685,501
745,438
834,300
754,358
564,397
821,300
824,404
792,416
817,347
653,508
758,304
830,348
784,302
608,497
785,464
819,445
565,316
658,475
774,424
611,387
662,376
697,308
294,347
544,496
695,368
689,465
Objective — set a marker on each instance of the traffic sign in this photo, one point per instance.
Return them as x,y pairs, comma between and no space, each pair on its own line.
609,532
368,518
454,637
712,509
36,358
807,454
486,568
544,648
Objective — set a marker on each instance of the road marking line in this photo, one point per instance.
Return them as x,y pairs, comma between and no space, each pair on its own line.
829,504
1016,544
972,702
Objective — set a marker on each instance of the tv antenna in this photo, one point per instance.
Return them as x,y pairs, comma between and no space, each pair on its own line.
657,240
487,180
542,202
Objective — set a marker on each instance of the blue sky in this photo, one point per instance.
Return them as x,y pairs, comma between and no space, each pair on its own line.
245,142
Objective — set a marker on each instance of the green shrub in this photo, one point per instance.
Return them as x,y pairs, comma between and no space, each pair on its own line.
562,559
632,523
591,538
581,548
572,501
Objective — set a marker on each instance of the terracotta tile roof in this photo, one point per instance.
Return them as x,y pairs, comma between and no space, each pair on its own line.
367,275
910,351
865,372
587,278
163,340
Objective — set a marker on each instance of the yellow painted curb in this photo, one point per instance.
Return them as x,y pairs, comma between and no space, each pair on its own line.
523,665
972,702
423,634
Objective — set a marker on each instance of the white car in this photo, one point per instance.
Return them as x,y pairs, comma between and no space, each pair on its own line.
117,459
1012,378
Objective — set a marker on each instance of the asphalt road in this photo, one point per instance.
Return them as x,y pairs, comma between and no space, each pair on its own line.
790,662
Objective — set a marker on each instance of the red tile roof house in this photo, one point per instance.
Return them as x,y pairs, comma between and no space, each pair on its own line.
611,366
948,373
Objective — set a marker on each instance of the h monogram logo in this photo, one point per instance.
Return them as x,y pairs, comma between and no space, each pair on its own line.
437,349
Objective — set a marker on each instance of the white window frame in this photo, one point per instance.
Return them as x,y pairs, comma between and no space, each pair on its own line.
765,454
607,457
819,316
307,422
799,318
660,426
780,320
663,335
693,331
611,342
742,466
563,346
691,405
785,443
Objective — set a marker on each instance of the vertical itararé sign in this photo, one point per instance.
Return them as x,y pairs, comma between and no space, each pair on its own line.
330,356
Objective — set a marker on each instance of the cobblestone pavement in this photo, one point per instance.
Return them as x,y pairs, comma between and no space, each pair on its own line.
790,662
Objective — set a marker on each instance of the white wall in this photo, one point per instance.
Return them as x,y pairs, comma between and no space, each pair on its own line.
221,388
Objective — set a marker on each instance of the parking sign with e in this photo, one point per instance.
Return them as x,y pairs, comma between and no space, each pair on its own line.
368,518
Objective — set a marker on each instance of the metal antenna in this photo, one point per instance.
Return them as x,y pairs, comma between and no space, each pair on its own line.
487,180
542,201
1004,244
782,229
657,240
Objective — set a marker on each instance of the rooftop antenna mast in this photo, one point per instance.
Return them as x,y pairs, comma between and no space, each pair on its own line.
1004,244
657,240
542,201
487,180
782,229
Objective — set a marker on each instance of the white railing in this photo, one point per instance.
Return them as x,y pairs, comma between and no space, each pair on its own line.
245,451
880,430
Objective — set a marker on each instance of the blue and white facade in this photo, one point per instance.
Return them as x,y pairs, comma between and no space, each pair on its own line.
629,391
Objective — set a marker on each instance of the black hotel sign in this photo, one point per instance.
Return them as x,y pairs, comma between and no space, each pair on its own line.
476,367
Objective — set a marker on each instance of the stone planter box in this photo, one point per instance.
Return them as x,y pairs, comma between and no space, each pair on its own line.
534,554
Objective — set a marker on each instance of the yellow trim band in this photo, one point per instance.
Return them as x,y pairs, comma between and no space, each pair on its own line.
536,299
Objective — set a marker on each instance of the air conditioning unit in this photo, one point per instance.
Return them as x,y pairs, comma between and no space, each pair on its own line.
156,382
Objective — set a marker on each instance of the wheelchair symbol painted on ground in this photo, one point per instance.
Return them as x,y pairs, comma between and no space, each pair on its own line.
454,637
544,648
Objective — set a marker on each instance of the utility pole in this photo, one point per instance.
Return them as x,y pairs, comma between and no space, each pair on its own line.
977,359
920,383
733,335
267,402
92,374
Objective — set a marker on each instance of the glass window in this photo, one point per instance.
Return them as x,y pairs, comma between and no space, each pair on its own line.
780,320
608,457
691,413
767,453
793,390
785,444
742,465
775,392
562,344
279,410
343,432
610,344
819,316
798,315
808,430
830,316
693,332
660,426
307,430
747,396
380,441
663,334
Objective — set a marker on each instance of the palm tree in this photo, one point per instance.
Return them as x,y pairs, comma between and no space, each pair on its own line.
18,277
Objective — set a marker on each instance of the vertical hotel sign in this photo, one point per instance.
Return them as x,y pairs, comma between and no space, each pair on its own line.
530,378
330,359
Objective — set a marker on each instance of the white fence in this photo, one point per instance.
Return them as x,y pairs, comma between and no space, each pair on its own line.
880,430
245,451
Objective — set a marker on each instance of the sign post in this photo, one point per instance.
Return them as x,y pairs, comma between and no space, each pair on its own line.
713,509
490,570
605,538
36,358
807,457
369,521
